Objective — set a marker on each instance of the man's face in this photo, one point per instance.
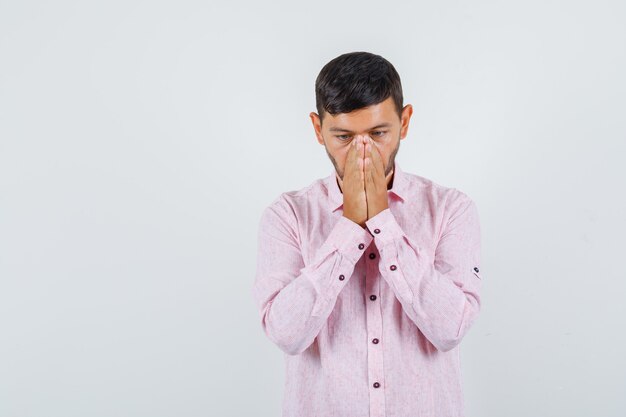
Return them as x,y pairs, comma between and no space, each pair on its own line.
379,121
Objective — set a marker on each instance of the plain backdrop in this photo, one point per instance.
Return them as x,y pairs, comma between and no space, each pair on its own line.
140,141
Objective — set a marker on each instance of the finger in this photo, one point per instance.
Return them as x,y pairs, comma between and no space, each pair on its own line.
361,159
369,173
368,155
377,160
361,169
356,163
351,161
358,157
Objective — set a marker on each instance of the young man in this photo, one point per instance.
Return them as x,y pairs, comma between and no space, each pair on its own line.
368,279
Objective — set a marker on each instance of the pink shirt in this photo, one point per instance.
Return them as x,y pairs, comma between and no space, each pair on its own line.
370,319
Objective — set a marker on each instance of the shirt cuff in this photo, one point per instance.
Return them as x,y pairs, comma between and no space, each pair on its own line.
384,227
350,239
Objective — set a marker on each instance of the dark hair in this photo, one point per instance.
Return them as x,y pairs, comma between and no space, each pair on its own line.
355,80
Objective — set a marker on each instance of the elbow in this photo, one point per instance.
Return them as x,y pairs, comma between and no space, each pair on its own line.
285,340
448,342
292,349
446,345
286,344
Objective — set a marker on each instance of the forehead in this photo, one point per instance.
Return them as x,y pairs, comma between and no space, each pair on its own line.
364,118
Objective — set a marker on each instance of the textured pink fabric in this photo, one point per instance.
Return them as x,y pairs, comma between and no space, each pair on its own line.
370,319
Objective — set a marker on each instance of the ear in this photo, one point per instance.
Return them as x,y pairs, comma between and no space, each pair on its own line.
317,127
407,111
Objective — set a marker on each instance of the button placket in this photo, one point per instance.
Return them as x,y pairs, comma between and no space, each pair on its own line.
374,333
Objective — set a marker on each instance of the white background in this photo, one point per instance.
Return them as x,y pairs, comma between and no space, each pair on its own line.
140,141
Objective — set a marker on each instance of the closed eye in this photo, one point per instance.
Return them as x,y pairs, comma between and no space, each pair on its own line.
377,133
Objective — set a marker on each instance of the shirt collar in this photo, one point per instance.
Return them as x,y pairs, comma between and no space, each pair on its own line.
335,197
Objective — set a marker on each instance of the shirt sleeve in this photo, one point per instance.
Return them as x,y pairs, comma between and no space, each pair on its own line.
441,295
294,299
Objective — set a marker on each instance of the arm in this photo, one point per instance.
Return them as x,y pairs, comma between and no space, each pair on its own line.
441,296
295,301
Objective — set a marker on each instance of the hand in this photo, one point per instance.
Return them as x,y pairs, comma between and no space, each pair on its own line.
375,180
353,186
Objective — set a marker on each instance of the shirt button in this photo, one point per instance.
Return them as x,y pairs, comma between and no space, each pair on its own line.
375,341
372,297
392,267
372,255
341,277
377,231
361,246
476,269
376,385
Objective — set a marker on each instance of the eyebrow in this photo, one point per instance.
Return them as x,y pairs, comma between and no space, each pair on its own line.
338,129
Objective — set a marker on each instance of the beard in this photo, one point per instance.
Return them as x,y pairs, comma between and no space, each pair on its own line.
388,167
